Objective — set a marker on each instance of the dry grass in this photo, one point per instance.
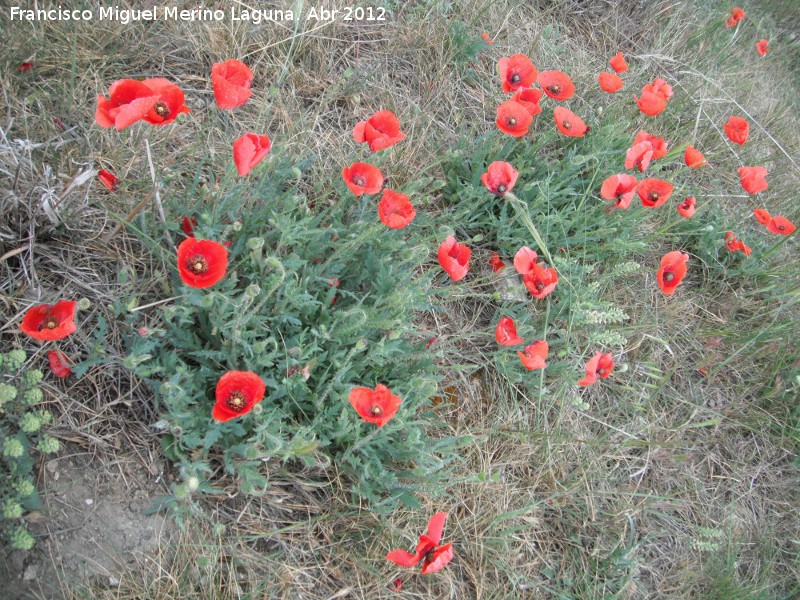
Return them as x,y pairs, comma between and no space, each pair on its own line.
672,486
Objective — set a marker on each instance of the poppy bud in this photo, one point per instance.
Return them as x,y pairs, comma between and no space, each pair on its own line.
181,492
84,304
255,243
192,484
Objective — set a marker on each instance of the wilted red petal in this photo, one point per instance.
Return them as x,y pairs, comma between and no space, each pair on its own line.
108,179
762,216
436,526
540,281
599,365
403,558
496,263
735,245
59,364
438,559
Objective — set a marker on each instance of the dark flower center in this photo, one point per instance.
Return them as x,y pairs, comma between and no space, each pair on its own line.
512,121
781,227
375,410
49,323
601,371
655,195
236,401
161,109
539,286
358,180
197,264
515,78
501,188
554,89
669,276
566,124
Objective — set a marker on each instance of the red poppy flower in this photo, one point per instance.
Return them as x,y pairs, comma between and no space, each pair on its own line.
380,131
485,36
693,158
780,225
658,144
362,178
556,84
619,188
59,364
24,66
735,245
672,271
654,192
496,263
659,87
762,215
249,150
108,179
610,82
540,280
231,82
569,123
516,72
600,364
237,393
454,258
618,63
737,129
762,47
435,556
651,104
529,98
50,322
687,207
737,14
753,179
201,263
513,118
376,406
500,178
188,226
506,332
525,260
395,209
639,156
534,355
156,101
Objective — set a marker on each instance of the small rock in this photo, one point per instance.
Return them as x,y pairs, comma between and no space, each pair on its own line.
30,573
51,465
113,581
89,501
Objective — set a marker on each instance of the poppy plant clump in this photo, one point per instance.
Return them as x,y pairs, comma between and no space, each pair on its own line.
231,81
376,406
516,72
454,258
672,271
249,150
202,263
156,101
236,394
49,322
433,556
380,131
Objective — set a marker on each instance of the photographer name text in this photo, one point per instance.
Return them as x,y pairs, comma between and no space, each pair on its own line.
171,13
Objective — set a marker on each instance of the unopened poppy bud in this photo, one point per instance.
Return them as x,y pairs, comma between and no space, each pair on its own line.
84,304
273,263
237,226
181,492
219,528
708,228
296,173
253,290
257,409
255,243
478,238
621,368
599,111
205,217
259,347
361,345
192,483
